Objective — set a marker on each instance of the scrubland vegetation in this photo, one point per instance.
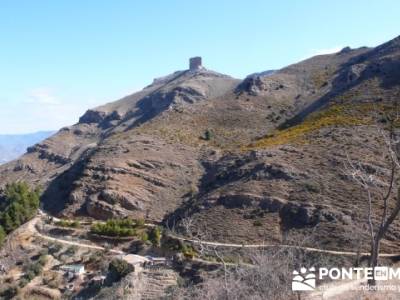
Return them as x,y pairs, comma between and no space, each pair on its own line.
336,115
115,228
68,224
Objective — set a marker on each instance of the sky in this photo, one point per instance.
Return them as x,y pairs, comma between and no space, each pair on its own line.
60,58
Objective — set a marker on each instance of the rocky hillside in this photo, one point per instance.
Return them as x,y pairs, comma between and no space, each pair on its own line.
247,159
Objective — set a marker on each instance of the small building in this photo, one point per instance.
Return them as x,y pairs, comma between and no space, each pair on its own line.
156,261
98,280
73,270
195,63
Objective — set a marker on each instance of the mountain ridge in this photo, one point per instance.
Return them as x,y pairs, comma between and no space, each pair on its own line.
223,151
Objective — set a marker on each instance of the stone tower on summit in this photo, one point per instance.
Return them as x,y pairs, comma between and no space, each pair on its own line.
195,63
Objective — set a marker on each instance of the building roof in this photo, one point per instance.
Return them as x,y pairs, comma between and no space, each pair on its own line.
74,268
151,258
134,259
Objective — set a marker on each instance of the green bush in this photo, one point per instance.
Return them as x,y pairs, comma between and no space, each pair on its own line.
155,236
188,251
54,248
118,269
207,135
312,187
115,228
257,223
66,223
29,275
139,222
34,269
2,235
9,292
144,237
172,244
43,259
72,250
24,281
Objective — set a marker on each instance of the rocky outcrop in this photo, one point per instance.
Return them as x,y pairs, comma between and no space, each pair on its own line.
101,210
272,204
20,165
45,153
179,95
254,83
92,116
105,120
345,50
354,73
295,215
125,200
291,213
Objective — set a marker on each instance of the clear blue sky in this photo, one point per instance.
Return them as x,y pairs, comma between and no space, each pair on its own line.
59,58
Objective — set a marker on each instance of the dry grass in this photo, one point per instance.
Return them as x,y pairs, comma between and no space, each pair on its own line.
39,292
335,115
320,78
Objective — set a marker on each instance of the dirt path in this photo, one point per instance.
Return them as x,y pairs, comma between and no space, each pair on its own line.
32,228
255,246
33,222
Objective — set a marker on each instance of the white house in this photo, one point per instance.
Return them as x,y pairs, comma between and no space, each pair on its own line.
74,269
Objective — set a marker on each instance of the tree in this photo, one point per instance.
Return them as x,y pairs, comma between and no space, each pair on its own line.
155,236
207,135
118,269
7,222
258,274
355,235
9,292
2,235
380,184
19,204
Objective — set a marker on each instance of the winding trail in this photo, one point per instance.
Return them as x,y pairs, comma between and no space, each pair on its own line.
261,246
34,221
32,227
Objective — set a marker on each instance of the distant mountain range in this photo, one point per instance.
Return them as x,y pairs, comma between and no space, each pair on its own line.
14,145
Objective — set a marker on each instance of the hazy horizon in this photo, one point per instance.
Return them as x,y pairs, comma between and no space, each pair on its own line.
27,133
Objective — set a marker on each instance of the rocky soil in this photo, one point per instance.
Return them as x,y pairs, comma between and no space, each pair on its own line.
249,160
